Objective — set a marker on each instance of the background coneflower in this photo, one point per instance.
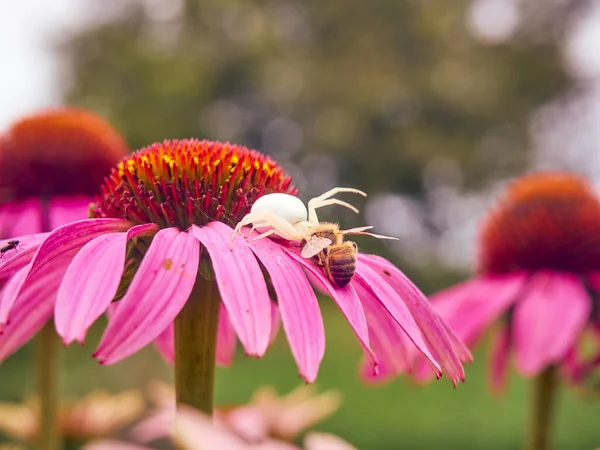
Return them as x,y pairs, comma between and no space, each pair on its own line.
50,166
539,254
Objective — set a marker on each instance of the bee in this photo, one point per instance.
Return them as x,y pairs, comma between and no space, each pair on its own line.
327,248
283,216
10,245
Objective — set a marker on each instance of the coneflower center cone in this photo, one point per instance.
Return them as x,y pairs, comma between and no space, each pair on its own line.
57,152
546,221
181,183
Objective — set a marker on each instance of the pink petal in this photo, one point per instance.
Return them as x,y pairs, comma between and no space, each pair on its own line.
30,312
298,305
21,217
110,444
14,260
375,290
226,339
165,343
64,210
157,293
241,285
470,308
275,322
57,251
194,430
426,319
389,342
345,298
499,359
325,441
548,320
91,282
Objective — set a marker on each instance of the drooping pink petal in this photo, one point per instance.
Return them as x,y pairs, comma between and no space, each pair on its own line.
390,343
298,305
91,282
275,322
56,252
30,312
226,339
9,291
471,307
346,299
165,343
21,217
463,352
14,260
373,289
64,210
159,289
499,351
241,285
427,320
548,320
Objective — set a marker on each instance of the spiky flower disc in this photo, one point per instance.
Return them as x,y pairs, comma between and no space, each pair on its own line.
545,221
57,152
184,182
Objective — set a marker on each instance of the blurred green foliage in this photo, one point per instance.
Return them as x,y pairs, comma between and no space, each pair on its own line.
384,87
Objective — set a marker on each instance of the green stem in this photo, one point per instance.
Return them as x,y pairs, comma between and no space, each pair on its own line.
544,395
195,347
49,349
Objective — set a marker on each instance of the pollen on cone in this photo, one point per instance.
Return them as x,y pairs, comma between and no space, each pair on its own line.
62,151
184,182
544,221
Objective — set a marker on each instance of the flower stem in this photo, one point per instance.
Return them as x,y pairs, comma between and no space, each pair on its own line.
544,394
195,346
49,349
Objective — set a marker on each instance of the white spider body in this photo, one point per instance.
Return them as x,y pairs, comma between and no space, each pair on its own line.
285,216
289,208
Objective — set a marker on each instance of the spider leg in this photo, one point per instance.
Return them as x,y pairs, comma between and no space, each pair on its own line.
262,235
325,200
278,225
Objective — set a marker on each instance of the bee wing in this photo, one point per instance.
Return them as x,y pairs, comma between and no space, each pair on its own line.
314,245
361,231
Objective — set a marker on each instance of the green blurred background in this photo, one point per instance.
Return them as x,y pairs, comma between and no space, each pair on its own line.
428,105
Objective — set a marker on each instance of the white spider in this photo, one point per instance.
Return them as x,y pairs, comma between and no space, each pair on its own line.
285,216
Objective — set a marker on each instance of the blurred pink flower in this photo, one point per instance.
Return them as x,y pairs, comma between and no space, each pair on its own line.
165,212
51,164
192,430
98,414
267,416
539,278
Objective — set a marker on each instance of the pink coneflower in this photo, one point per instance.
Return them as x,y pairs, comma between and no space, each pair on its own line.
539,262
51,164
160,253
